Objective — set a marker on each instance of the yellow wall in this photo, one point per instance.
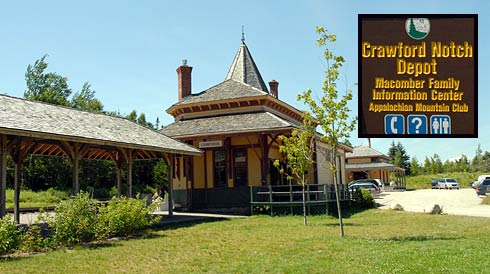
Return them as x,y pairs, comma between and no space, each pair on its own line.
198,171
179,183
253,167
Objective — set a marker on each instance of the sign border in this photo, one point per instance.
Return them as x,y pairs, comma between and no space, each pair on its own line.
359,75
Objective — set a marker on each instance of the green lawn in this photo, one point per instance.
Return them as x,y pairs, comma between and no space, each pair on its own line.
377,242
424,181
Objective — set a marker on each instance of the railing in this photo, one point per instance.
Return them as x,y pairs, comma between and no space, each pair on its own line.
317,198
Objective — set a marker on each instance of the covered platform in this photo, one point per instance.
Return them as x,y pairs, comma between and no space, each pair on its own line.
28,127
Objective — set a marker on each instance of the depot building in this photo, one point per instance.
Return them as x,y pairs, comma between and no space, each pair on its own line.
236,124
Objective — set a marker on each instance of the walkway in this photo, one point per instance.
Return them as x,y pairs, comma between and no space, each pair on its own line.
454,202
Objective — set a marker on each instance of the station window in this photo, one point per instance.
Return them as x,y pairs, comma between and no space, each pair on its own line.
240,164
219,168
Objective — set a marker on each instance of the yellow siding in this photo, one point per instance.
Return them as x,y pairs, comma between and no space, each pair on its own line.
253,168
242,140
198,171
179,183
275,154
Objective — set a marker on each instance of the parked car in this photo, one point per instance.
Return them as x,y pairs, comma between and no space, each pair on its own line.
435,183
447,183
482,187
377,182
373,188
479,180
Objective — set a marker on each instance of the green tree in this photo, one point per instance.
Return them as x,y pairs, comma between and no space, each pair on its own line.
332,111
399,157
415,167
298,149
85,100
477,162
133,115
45,86
160,175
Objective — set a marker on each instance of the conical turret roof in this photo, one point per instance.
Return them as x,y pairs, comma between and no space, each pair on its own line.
244,70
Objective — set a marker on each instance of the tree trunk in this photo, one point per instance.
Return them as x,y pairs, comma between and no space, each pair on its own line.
337,192
304,201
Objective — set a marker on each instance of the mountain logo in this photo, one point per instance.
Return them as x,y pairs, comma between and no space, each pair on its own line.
417,28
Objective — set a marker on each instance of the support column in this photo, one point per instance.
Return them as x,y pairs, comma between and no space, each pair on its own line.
130,176
3,174
171,186
264,160
76,172
17,184
118,178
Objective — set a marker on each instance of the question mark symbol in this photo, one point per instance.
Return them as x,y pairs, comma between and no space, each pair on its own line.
418,123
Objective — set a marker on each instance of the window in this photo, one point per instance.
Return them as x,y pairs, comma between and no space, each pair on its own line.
240,163
219,168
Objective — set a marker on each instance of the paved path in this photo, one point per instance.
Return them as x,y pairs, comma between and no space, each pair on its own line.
178,217
454,202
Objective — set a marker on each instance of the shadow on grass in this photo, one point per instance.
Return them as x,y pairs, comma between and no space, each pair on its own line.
172,223
417,238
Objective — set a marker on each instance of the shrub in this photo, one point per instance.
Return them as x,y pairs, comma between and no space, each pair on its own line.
33,240
123,217
363,199
74,220
10,235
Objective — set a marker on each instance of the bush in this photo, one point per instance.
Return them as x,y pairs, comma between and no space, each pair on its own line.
34,241
74,220
123,217
10,235
363,199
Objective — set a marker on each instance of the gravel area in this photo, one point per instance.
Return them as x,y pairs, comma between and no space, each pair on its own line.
454,202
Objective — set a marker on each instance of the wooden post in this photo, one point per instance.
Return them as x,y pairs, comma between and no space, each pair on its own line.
170,186
75,169
130,175
17,184
3,174
264,160
118,178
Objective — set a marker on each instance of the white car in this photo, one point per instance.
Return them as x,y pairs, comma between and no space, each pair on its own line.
447,183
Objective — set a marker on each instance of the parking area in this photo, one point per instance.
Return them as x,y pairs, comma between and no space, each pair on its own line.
454,202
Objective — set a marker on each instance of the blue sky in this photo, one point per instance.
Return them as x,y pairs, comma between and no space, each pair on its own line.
129,50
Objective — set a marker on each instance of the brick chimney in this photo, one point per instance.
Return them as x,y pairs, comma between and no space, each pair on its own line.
273,86
184,78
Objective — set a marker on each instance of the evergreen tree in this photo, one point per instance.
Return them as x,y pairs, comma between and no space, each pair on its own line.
415,167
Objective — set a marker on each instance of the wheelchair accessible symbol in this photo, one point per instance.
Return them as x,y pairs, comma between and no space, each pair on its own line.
440,124
394,124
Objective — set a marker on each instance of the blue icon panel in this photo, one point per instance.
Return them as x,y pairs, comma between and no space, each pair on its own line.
394,124
440,124
417,124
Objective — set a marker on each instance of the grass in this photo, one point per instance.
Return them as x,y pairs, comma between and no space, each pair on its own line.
424,181
29,198
486,200
377,242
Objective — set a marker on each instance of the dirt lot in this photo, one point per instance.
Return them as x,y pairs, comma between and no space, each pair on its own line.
455,202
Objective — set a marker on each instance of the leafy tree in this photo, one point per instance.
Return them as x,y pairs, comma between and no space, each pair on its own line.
133,115
415,167
331,112
45,86
160,175
85,100
298,149
477,162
